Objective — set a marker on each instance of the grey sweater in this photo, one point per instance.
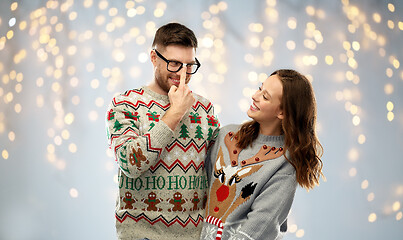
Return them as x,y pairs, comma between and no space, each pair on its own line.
251,190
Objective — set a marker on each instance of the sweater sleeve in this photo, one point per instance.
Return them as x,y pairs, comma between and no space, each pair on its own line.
135,150
269,210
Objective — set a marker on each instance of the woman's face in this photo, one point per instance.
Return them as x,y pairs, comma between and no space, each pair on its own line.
265,108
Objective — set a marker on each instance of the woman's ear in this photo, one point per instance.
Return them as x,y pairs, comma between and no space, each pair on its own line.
280,114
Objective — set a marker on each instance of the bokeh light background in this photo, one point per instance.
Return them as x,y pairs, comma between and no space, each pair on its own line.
61,62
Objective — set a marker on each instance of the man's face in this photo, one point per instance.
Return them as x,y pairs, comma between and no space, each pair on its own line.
162,77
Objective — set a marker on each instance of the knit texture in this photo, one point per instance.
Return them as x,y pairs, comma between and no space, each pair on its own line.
251,190
161,178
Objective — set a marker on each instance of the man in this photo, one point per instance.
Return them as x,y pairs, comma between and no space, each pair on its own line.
160,134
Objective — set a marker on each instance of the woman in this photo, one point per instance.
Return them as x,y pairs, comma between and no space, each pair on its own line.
254,169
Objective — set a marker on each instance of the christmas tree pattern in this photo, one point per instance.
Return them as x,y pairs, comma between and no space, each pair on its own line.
199,133
210,134
184,132
117,126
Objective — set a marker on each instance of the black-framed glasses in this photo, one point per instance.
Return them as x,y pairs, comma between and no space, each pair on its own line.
175,66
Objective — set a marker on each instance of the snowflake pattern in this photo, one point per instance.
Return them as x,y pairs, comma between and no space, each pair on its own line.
209,232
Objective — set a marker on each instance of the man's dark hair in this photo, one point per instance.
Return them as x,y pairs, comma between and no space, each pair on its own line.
174,34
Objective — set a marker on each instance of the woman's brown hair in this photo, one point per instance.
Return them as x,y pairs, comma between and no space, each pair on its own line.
298,127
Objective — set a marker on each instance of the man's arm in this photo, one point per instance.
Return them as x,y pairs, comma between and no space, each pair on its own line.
135,150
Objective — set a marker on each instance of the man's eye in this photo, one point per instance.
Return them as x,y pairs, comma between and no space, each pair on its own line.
175,64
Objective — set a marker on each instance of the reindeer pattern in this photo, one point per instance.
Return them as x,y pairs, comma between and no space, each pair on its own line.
230,186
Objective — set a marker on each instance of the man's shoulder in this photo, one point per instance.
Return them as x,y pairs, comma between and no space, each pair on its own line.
130,94
203,102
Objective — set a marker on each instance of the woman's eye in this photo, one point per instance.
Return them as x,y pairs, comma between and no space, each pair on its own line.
265,98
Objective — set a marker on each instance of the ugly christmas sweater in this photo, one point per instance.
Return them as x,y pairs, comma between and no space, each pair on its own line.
161,176
251,190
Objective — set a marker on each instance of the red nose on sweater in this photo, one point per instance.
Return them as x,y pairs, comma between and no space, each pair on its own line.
222,193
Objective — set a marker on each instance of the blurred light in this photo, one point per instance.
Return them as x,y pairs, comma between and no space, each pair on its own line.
65,134
361,139
103,4
4,154
396,206
256,27
372,217
254,42
389,106
356,46
72,148
389,72
353,154
99,102
69,118
51,148
158,12
399,216
11,136
252,76
40,101
73,16
292,23
376,17
10,34
58,140
390,116
391,24
17,108
292,228
391,7
300,233
388,89
14,6
352,172
396,63
93,116
356,120
73,193
222,6
87,3
11,22
290,45
310,10
364,184
329,60
143,57
140,10
272,14
371,197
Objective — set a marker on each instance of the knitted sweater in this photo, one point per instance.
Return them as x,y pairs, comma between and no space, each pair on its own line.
161,178
251,190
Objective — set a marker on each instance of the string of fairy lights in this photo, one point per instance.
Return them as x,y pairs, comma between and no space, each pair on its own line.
359,21
54,44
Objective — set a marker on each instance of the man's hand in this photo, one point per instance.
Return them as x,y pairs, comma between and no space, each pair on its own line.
181,99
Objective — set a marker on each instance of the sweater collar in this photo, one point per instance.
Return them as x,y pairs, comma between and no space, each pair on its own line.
264,139
155,95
